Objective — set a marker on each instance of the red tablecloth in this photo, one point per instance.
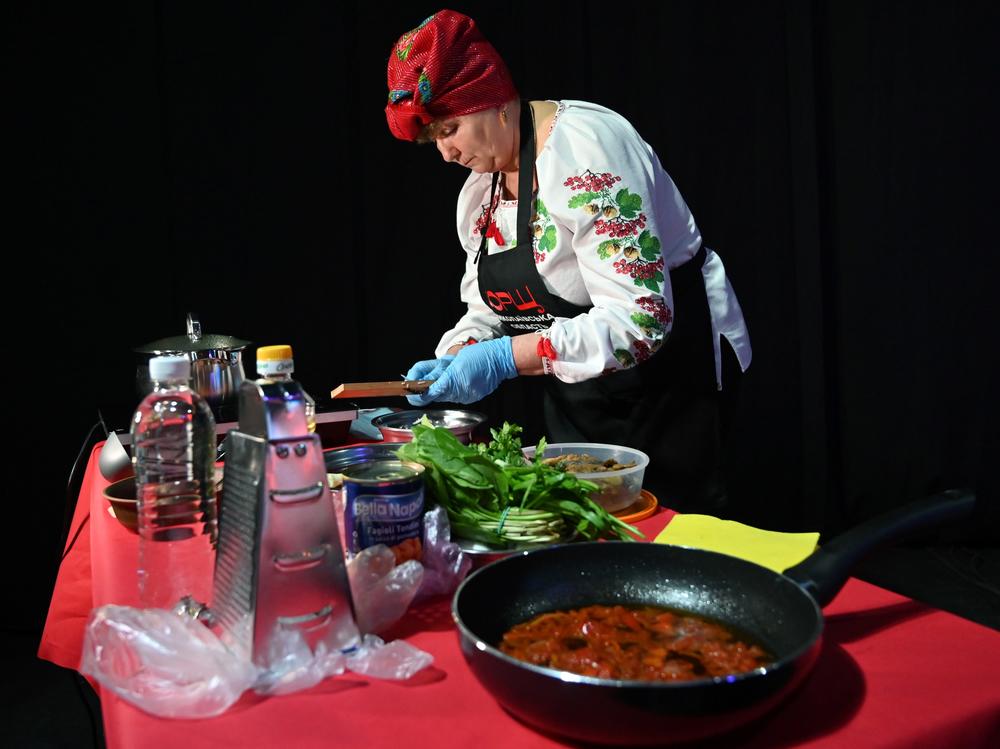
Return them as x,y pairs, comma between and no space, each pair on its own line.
893,673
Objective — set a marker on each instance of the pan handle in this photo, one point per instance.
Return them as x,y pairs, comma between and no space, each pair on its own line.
824,573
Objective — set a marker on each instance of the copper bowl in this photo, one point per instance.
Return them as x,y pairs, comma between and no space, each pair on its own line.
124,508
121,498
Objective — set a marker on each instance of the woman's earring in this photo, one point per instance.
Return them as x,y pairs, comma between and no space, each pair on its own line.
503,115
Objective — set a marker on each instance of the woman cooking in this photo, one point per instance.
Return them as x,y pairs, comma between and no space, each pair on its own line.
583,263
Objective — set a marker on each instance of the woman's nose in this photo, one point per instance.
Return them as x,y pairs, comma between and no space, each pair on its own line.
448,153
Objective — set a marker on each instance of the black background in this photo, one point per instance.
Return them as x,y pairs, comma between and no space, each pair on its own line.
233,159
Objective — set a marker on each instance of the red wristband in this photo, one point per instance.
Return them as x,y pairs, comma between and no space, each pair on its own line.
545,350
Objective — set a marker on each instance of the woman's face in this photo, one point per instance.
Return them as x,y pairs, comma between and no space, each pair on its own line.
482,141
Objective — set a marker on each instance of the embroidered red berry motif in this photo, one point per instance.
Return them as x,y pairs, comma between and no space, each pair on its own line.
622,221
642,352
657,308
653,318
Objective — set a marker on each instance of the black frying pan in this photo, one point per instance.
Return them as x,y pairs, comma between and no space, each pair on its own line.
782,612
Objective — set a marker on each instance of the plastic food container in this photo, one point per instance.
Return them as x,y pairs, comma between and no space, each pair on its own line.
617,489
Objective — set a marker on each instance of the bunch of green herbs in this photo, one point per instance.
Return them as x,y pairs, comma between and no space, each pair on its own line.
494,495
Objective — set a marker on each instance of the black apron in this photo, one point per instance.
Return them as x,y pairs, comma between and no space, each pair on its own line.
667,406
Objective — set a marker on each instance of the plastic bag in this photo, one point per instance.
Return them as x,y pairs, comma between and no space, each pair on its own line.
168,664
445,565
395,660
173,666
381,591
293,666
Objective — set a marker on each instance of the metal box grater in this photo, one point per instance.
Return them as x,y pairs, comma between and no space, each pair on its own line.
280,564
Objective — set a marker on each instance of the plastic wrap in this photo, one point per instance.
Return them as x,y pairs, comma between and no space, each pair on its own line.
445,565
168,664
293,666
173,666
382,592
397,660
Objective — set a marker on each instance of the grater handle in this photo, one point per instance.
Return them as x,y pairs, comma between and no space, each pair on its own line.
301,560
291,496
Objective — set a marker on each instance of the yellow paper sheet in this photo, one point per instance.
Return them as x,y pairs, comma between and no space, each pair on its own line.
771,549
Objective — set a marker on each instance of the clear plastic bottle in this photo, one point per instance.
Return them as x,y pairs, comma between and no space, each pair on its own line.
173,438
276,363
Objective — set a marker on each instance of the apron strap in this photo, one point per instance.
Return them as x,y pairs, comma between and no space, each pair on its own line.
688,274
525,177
525,181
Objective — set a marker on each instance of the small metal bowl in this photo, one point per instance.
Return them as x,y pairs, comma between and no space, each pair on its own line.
398,426
483,554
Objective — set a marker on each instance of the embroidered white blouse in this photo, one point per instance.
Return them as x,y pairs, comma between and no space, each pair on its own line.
609,223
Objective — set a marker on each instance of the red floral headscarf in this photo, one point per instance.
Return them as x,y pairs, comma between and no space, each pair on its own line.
443,68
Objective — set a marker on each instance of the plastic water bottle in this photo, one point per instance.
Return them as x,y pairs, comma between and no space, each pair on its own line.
277,364
173,439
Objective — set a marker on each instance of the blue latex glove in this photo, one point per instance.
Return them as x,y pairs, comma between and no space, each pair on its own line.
430,369
477,370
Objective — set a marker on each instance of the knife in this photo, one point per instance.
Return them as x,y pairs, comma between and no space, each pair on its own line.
380,389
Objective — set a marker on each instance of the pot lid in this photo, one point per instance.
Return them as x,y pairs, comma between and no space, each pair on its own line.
195,340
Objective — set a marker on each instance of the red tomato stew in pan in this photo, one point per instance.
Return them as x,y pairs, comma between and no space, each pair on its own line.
643,643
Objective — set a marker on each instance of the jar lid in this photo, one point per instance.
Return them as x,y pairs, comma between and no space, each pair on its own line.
272,360
383,472
195,340
270,353
169,368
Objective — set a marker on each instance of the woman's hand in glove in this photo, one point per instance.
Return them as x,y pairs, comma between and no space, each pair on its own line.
477,370
431,369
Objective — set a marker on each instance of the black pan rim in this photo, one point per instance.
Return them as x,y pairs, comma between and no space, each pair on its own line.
787,661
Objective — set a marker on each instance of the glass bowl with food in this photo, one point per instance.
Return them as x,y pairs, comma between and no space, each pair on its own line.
617,470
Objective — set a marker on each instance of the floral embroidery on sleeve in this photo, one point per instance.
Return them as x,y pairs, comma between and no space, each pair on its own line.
654,317
624,223
652,320
544,230
621,225
640,352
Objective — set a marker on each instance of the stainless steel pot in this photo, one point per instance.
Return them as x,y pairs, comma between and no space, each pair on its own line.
216,361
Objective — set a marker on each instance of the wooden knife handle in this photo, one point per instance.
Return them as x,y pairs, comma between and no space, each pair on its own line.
380,389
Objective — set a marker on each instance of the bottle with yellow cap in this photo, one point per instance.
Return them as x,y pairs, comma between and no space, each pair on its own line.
275,363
